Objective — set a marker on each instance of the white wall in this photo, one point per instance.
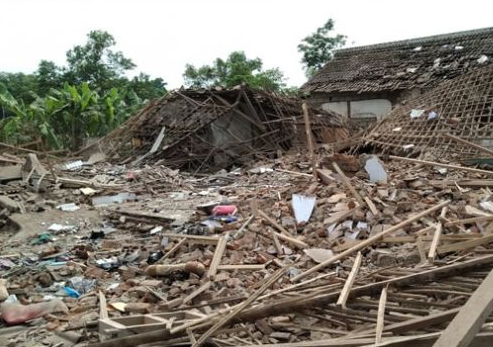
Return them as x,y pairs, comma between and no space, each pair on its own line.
374,108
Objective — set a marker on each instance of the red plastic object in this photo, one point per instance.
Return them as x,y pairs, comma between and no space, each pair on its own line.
224,210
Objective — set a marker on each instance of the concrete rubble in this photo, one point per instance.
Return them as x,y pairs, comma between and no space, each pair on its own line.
296,250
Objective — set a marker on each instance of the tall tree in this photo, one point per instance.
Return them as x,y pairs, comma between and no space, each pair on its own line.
235,70
318,47
96,63
147,88
48,76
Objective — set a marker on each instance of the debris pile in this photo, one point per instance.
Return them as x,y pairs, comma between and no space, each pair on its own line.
207,130
354,251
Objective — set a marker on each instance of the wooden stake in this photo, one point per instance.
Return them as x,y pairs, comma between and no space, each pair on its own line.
349,281
449,166
347,183
470,144
434,243
267,283
381,315
309,139
467,323
370,241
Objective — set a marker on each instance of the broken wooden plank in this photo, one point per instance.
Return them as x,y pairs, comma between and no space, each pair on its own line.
381,315
309,139
370,240
434,243
348,184
467,323
448,166
218,255
372,206
350,281
277,244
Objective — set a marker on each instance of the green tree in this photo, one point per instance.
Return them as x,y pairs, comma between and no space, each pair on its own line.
146,87
20,85
318,47
96,63
48,76
236,69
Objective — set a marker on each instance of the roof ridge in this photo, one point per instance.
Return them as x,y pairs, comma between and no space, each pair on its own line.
423,39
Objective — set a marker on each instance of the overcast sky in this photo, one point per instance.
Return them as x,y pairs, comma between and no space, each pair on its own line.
162,36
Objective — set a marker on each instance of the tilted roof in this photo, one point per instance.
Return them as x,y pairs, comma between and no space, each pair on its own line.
421,62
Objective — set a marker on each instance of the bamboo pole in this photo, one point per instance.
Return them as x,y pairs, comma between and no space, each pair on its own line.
448,166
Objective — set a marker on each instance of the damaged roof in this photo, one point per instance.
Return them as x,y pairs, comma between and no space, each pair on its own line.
421,62
192,128
461,107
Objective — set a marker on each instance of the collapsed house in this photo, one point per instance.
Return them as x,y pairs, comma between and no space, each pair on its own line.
461,107
366,82
208,129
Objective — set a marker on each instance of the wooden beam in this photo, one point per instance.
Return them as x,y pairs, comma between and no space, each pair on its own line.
372,206
296,304
468,143
434,243
218,255
309,139
350,281
448,166
381,315
467,323
370,240
347,183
